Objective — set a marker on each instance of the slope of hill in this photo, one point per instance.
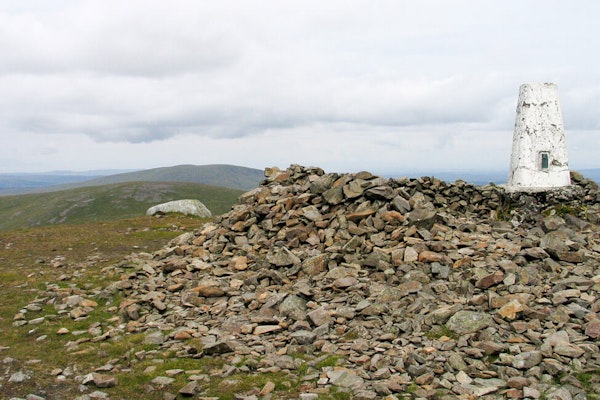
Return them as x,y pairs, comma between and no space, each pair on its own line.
107,202
229,176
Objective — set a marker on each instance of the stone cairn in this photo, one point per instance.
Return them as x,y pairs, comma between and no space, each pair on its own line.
443,290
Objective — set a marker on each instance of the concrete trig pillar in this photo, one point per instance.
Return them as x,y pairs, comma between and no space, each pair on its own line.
539,158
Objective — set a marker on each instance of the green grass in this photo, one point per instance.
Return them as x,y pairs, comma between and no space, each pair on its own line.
564,209
106,203
336,394
441,331
329,361
27,273
587,380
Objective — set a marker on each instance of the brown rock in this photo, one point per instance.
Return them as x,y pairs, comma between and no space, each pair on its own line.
220,347
592,329
517,382
104,381
393,216
262,329
239,263
568,350
511,309
514,394
175,287
346,282
208,291
358,215
463,262
571,256
319,317
410,255
182,335
430,256
88,303
267,389
490,280
189,389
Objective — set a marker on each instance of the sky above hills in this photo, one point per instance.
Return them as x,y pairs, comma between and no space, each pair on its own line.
346,85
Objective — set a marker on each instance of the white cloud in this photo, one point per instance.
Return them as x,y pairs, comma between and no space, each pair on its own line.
441,78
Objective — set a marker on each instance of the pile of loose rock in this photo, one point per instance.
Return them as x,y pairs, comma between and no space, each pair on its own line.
414,285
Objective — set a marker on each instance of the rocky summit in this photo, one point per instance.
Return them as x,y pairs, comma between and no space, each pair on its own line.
379,288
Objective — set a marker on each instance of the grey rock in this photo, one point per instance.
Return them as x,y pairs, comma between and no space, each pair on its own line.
527,359
401,204
380,192
353,189
469,321
189,389
34,397
319,317
19,377
559,394
303,337
187,206
345,378
293,307
162,380
422,217
154,338
104,381
283,257
322,184
309,396
220,347
456,361
334,196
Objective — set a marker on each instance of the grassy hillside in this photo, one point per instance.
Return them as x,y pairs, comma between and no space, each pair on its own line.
107,202
229,176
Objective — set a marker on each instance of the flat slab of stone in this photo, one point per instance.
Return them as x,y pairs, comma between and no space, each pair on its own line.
187,207
469,321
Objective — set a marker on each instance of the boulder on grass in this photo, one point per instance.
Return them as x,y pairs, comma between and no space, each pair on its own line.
188,207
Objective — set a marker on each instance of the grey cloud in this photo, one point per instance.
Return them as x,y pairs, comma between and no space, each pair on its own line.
130,110
139,71
134,39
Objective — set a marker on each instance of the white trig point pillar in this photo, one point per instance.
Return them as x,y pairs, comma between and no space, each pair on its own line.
539,158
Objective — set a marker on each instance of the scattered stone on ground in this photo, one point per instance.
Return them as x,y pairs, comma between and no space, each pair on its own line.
378,287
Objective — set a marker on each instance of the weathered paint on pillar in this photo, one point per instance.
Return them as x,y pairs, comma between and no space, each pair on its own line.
539,158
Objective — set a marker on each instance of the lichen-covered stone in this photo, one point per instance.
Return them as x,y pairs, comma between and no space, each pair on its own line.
188,206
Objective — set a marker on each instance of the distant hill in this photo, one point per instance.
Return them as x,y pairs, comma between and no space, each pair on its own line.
479,178
106,202
229,176
224,175
21,183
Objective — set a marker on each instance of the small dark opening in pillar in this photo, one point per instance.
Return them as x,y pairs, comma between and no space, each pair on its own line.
544,160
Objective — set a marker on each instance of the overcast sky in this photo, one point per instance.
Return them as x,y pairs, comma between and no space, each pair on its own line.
346,85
